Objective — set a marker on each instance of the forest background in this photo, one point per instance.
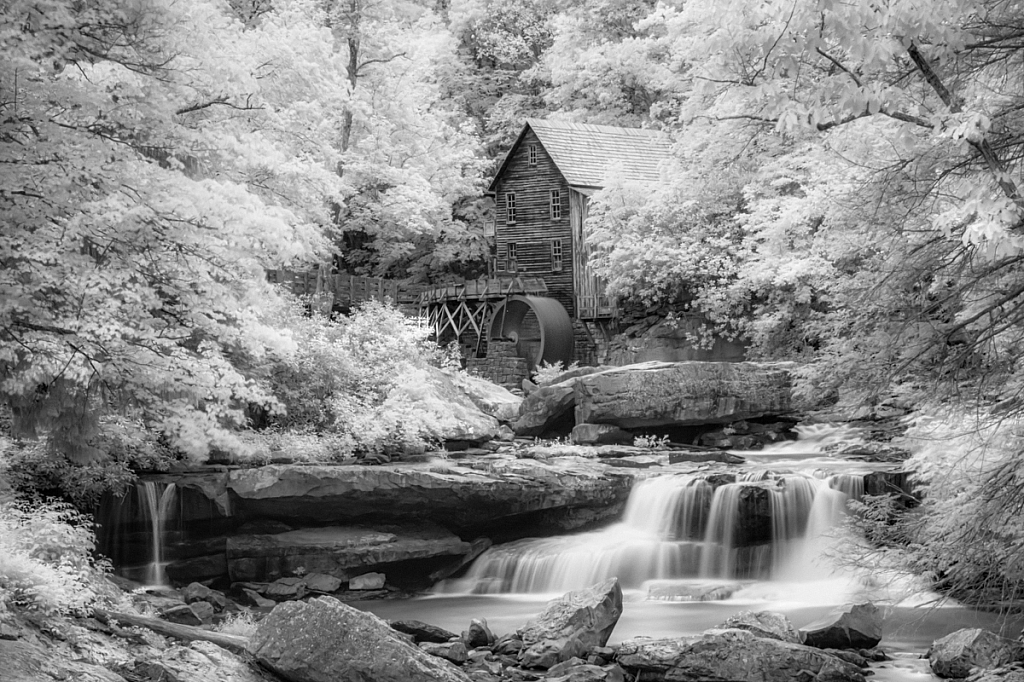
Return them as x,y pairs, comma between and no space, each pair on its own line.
847,194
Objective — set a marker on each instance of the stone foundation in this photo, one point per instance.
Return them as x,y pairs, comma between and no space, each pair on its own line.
501,366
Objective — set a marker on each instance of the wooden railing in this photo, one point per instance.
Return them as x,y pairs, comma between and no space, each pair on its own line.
348,289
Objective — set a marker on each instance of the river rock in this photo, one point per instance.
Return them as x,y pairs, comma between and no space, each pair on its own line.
338,551
323,640
185,614
600,434
490,398
734,656
367,581
201,661
763,624
284,589
544,408
853,626
955,654
683,393
450,651
321,582
478,634
423,632
572,625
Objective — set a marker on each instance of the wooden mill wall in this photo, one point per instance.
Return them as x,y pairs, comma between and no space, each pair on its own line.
534,229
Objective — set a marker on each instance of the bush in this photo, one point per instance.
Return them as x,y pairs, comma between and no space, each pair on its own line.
46,558
341,381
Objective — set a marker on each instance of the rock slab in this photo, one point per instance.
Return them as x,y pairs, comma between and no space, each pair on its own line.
572,625
955,654
731,656
853,626
683,393
323,640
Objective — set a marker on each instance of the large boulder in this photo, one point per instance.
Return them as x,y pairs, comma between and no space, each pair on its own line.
24,661
853,626
683,393
955,654
572,625
731,656
544,408
490,398
323,640
339,551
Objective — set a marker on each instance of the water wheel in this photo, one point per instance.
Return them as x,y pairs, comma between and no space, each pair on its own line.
539,326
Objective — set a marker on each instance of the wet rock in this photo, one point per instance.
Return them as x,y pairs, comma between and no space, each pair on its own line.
321,582
508,645
204,610
572,625
853,626
471,502
544,408
955,654
600,434
285,589
323,639
254,598
476,548
763,624
450,651
478,634
695,591
1014,673
184,614
683,393
194,592
734,655
423,632
367,581
336,551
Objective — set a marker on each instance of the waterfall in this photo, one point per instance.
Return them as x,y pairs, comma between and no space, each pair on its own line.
156,506
766,525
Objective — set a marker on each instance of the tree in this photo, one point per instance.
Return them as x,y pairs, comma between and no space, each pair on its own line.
154,160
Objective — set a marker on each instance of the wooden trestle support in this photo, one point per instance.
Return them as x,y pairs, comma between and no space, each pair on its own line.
455,310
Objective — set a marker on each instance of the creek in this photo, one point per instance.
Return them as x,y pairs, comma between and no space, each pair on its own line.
688,559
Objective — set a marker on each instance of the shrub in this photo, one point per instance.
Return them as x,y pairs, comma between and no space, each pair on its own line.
548,373
46,558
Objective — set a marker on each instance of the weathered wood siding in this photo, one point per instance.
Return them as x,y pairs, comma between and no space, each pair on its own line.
591,301
534,229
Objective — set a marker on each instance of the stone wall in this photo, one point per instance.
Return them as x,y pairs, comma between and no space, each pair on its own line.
501,366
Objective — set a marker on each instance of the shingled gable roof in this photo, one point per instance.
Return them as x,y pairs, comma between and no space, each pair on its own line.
585,153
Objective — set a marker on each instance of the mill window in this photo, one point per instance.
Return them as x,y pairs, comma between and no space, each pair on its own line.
556,204
556,255
510,207
533,154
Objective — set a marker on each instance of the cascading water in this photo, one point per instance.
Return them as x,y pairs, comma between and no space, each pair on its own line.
157,505
680,526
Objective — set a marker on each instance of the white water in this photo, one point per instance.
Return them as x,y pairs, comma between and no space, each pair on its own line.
676,547
157,506
682,527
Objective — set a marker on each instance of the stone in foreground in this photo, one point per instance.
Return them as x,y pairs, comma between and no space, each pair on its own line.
423,632
323,640
572,625
853,626
544,408
955,654
683,393
731,656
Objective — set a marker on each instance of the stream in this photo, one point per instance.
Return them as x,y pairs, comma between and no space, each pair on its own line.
687,560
